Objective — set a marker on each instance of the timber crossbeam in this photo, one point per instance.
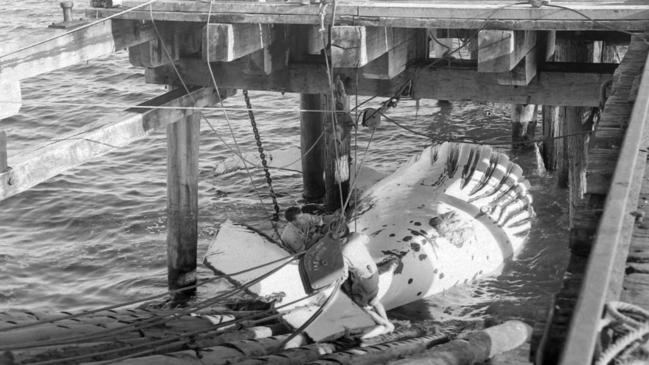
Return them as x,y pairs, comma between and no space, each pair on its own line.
106,135
429,81
621,15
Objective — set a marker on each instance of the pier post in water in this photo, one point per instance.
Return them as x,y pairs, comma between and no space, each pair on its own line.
523,124
182,204
3,152
312,142
337,134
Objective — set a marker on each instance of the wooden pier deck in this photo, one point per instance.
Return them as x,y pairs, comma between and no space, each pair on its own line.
208,50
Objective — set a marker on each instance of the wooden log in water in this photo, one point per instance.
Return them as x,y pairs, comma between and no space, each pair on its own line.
228,353
182,204
311,143
381,353
115,348
295,356
474,348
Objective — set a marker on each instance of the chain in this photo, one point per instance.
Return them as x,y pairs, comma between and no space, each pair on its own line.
262,156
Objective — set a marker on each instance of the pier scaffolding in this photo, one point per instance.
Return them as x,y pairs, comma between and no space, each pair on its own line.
583,64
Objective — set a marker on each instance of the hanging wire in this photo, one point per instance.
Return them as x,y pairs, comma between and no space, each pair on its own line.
149,322
216,87
178,338
152,297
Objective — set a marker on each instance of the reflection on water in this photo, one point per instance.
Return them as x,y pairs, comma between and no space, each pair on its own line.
96,234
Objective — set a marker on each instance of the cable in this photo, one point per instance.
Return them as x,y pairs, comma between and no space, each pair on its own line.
170,292
170,340
153,320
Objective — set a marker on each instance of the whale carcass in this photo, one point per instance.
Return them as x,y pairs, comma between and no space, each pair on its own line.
451,214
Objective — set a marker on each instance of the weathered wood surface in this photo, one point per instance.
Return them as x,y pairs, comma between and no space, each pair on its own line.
227,42
383,352
635,287
11,98
183,138
459,83
106,135
605,266
111,334
621,15
475,347
3,151
312,143
502,50
100,39
337,147
356,46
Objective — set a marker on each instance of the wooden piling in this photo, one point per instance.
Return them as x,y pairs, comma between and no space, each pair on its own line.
337,127
312,142
474,348
3,151
182,203
523,124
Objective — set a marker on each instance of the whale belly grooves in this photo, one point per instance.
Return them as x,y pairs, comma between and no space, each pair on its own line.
451,214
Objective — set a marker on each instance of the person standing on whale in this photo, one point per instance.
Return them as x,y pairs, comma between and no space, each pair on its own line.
360,279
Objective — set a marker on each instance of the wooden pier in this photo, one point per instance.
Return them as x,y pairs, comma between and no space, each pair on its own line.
535,55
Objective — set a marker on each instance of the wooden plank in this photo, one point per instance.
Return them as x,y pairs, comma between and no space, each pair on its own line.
502,50
612,241
227,42
11,98
182,204
106,135
550,88
100,39
430,14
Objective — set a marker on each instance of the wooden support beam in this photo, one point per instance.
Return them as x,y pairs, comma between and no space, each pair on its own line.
182,204
106,135
396,59
228,42
337,129
3,152
357,46
10,98
556,87
94,41
312,143
159,51
523,119
502,50
430,14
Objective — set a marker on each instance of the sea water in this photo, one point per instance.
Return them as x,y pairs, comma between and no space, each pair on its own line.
95,235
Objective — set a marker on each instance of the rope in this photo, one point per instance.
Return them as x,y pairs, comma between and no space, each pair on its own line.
634,336
153,320
170,292
175,339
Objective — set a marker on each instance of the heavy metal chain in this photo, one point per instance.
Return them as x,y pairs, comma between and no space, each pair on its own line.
262,156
